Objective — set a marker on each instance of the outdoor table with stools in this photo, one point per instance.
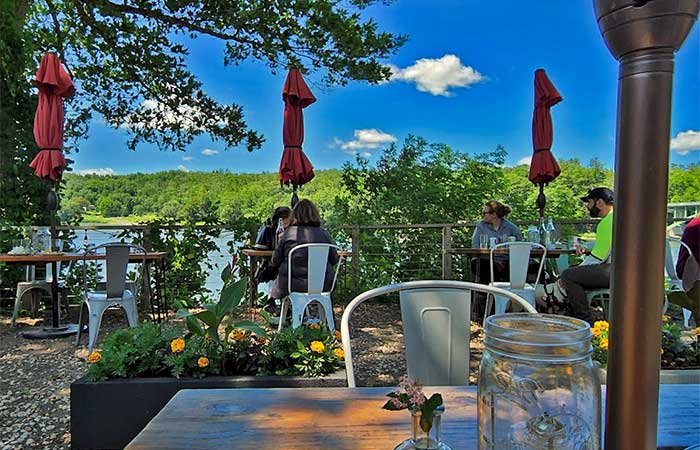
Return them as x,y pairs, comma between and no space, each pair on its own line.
158,303
253,255
349,418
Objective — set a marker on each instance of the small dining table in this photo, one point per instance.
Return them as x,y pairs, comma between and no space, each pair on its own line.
158,302
349,418
253,254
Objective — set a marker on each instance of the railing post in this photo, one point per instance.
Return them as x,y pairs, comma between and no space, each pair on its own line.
355,236
447,252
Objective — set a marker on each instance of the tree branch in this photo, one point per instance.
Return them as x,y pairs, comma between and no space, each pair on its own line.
59,36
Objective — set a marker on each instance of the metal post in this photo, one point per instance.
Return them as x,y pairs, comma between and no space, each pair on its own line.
643,35
446,252
355,259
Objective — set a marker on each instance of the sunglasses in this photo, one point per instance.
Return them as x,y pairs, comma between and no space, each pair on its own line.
483,213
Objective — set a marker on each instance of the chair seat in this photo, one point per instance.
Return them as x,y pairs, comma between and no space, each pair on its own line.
101,296
300,301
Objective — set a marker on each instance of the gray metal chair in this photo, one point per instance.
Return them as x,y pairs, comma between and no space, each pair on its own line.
115,294
436,326
675,283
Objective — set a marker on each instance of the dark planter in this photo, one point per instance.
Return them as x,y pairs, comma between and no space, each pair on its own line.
107,415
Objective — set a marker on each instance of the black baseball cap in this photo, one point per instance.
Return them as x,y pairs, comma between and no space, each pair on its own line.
602,193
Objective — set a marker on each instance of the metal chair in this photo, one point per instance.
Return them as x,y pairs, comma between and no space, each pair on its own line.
115,294
518,259
436,320
675,284
317,262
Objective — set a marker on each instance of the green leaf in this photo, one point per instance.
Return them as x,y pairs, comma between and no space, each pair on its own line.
427,411
193,326
252,327
232,296
295,355
209,318
181,313
226,274
391,407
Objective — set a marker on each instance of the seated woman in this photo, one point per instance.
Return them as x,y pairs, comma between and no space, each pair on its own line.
494,225
305,229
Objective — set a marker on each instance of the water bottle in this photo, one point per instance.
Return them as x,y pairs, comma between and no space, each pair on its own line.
279,231
85,242
553,233
549,234
532,234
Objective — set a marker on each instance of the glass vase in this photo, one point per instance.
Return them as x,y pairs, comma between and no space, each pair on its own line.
538,387
422,439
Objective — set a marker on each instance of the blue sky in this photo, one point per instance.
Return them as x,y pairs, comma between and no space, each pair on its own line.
465,78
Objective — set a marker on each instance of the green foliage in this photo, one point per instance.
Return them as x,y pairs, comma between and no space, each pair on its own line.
296,352
133,352
186,363
410,396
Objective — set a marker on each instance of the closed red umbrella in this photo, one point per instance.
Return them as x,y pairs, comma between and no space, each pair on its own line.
295,167
543,167
54,85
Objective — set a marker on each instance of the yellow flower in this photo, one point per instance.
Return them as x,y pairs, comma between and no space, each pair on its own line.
317,346
237,335
662,351
339,337
177,345
596,331
314,326
666,318
604,343
339,353
203,362
94,357
260,340
601,325
696,331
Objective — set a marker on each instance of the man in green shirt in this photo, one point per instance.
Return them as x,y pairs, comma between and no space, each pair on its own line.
594,271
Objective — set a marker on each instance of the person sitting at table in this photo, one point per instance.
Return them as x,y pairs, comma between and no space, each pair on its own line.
594,270
305,229
493,225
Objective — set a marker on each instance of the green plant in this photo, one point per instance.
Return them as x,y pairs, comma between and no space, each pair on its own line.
309,351
132,352
196,357
410,396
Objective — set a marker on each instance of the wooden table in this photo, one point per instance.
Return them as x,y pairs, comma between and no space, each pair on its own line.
344,418
158,307
253,255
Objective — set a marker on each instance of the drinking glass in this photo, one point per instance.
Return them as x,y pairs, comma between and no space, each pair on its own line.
483,241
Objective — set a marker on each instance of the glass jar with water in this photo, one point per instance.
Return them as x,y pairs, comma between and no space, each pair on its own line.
538,388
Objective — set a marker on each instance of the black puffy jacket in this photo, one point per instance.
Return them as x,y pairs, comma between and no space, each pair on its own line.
293,236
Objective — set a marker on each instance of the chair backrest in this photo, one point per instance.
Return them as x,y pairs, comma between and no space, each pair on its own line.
435,317
518,262
316,266
117,259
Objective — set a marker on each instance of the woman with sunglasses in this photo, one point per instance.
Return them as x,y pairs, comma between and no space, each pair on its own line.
494,225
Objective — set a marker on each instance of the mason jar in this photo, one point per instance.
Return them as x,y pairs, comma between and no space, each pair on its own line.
538,387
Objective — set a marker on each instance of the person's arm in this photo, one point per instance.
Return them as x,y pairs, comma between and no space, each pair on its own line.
475,236
279,254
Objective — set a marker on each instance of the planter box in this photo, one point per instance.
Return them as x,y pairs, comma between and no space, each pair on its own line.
107,415
666,376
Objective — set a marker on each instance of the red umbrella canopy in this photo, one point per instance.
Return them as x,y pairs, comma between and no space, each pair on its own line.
544,167
54,85
295,167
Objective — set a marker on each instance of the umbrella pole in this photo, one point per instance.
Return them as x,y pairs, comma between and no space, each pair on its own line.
541,200
295,197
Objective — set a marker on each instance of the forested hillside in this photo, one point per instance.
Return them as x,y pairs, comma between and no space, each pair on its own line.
417,182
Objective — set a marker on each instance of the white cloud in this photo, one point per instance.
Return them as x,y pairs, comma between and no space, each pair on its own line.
685,142
365,154
187,158
182,168
437,76
162,117
104,171
367,138
209,152
525,160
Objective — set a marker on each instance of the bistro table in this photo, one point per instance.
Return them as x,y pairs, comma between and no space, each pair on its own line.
348,418
253,254
158,305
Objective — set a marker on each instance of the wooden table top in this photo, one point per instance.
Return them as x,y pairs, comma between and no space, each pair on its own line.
58,257
268,253
551,253
345,418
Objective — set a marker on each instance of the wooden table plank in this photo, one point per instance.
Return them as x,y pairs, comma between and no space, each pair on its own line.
344,418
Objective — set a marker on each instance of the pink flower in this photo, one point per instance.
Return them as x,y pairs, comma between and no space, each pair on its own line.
397,403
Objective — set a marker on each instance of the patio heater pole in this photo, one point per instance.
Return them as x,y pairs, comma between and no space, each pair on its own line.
643,36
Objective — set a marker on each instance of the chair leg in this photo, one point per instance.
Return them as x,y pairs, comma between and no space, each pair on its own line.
327,311
298,314
283,313
96,312
18,302
131,313
686,317
501,304
83,305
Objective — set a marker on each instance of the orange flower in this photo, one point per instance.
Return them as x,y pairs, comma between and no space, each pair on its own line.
203,362
317,347
177,345
696,331
604,343
237,334
595,331
260,340
314,326
339,353
666,318
94,357
339,337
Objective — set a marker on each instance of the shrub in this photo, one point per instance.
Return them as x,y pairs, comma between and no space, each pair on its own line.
309,351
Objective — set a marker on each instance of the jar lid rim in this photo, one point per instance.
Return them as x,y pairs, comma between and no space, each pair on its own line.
577,327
